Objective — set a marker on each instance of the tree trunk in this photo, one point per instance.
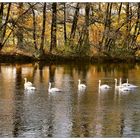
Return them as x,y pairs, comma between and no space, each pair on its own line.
53,26
128,27
19,32
119,12
74,25
34,27
65,29
106,37
4,26
137,27
43,30
127,18
1,18
84,35
87,10
7,17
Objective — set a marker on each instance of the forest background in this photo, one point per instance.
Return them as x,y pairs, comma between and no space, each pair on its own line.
70,29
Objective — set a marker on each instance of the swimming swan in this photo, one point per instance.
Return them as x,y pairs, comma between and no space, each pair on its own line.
121,87
30,88
51,90
28,85
127,84
81,86
103,87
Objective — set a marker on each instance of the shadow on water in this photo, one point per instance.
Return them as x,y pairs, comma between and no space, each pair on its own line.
18,103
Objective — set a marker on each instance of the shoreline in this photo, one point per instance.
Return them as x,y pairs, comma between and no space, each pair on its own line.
51,58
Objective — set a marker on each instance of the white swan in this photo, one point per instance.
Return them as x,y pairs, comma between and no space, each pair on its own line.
51,90
27,84
127,84
103,87
120,87
30,88
123,89
117,87
81,86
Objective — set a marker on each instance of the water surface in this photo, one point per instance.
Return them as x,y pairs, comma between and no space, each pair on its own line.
69,113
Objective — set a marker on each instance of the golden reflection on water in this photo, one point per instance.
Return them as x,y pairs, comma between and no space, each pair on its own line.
71,113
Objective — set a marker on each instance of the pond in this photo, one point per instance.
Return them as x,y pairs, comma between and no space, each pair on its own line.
70,113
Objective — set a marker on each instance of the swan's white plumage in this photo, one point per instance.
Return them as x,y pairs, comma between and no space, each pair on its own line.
127,84
120,87
104,86
51,90
123,89
28,85
81,86
30,88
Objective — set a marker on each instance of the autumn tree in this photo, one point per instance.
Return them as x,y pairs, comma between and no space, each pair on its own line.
34,26
65,27
3,26
43,30
107,26
74,25
19,29
77,27
53,27
83,42
1,18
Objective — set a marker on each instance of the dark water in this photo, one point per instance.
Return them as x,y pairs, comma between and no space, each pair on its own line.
69,113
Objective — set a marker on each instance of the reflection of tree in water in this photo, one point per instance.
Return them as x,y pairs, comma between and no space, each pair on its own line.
68,69
41,66
18,77
122,125
50,118
52,69
19,120
35,66
18,113
109,68
82,69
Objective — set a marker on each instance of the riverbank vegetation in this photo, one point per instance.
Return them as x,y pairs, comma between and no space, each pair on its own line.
50,31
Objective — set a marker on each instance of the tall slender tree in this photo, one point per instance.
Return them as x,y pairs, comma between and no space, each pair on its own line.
1,18
34,26
19,31
65,29
107,24
53,27
74,23
119,12
3,26
43,30
84,35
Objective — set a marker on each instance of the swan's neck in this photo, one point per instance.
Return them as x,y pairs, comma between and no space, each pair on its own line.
99,84
49,86
116,83
25,80
79,82
120,82
127,80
